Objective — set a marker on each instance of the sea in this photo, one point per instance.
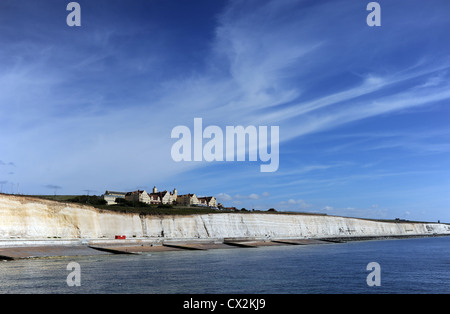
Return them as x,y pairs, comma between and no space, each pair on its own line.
401,266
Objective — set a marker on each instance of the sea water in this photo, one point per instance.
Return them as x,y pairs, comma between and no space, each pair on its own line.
405,266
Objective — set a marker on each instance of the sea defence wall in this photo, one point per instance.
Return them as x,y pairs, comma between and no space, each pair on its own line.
30,218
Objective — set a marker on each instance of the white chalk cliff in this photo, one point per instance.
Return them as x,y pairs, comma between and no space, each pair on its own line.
31,218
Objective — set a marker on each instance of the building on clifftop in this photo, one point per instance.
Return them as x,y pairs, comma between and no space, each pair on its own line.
138,196
111,196
187,200
164,197
209,201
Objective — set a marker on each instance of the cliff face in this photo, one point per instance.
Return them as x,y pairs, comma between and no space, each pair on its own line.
25,217
31,218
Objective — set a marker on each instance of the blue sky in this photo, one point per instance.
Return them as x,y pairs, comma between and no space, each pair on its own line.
363,111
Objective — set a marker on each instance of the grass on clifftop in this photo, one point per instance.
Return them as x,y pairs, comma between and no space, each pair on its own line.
146,209
134,207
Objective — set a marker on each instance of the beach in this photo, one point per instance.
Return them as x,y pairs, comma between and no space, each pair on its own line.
18,249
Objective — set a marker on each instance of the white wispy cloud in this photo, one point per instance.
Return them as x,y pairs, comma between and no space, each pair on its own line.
103,112
374,211
295,204
238,197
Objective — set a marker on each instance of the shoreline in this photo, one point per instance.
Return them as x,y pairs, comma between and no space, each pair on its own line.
32,228
60,248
